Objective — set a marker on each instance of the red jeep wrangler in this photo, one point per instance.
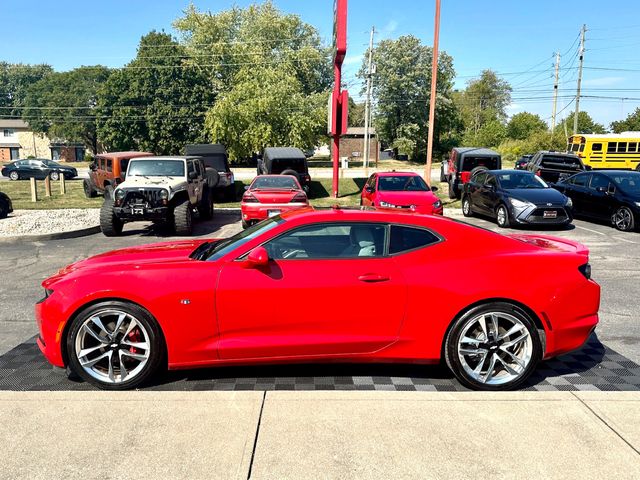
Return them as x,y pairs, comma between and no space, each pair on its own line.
107,171
463,163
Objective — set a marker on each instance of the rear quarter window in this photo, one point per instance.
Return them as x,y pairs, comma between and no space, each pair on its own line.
404,239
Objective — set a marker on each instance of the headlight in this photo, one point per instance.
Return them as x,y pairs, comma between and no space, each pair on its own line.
637,204
437,204
164,194
569,202
519,204
386,204
120,194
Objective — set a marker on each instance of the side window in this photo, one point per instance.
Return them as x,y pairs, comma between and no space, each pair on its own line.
599,181
596,147
330,241
633,147
190,167
403,239
371,181
580,180
491,180
480,178
109,165
611,147
622,147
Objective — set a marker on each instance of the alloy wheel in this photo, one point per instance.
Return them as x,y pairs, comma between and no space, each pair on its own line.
54,176
14,176
495,348
502,216
622,219
112,346
466,207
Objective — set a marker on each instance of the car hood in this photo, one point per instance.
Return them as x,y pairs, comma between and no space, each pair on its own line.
132,256
538,196
167,182
408,198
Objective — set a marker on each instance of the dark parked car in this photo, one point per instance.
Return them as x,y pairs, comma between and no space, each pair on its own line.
522,162
609,195
285,161
463,162
515,197
37,168
554,166
6,207
214,156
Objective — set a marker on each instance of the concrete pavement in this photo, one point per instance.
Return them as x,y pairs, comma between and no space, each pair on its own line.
319,435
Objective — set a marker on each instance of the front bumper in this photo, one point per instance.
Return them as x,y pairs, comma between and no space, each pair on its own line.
535,215
50,327
260,211
141,213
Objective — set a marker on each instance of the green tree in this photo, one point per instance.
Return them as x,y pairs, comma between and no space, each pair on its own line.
401,91
484,101
15,78
62,105
355,113
523,124
491,134
511,149
629,124
267,108
585,124
157,102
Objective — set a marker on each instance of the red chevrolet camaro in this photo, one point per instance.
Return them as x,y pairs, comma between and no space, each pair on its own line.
400,190
357,285
270,195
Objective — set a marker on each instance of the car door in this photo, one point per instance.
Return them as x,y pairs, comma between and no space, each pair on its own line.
368,192
597,199
192,183
577,191
38,169
329,289
474,190
490,194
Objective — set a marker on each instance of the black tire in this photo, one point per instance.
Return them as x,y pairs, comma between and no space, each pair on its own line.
452,346
4,208
14,176
55,176
503,220
443,178
108,192
476,170
293,173
466,207
110,225
206,205
623,219
453,191
182,219
87,186
245,224
143,317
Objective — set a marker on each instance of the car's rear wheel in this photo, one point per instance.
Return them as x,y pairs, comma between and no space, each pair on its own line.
110,225
115,345
206,205
623,219
4,208
493,347
453,192
466,207
182,219
502,217
87,186
55,176
14,176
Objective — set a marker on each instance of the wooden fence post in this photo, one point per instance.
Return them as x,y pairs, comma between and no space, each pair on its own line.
47,186
63,185
34,190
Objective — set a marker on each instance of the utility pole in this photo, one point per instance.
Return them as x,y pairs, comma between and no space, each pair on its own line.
367,105
432,98
555,94
575,117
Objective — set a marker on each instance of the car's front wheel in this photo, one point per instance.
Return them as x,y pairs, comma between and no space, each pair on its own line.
623,219
466,207
182,219
110,224
502,217
115,345
493,347
14,176
55,176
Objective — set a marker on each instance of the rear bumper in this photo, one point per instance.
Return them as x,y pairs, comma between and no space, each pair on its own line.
260,211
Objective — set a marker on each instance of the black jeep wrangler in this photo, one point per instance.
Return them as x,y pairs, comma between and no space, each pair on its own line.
285,161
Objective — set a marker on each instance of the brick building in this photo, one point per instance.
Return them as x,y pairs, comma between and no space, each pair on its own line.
17,140
352,144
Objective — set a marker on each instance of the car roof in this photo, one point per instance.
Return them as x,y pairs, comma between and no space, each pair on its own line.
613,172
480,151
130,154
398,174
205,149
170,157
559,154
509,170
274,153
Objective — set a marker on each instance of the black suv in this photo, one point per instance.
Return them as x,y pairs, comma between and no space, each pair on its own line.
214,156
285,161
555,166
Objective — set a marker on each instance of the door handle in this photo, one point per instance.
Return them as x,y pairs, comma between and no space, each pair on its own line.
373,278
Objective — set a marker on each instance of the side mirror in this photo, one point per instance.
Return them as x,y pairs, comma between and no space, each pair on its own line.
370,189
258,257
434,189
246,187
601,190
611,190
192,175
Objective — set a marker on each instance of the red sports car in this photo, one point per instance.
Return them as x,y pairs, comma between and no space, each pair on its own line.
324,285
402,190
270,195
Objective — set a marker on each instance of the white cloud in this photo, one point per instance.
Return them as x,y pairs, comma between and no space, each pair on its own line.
353,59
602,81
389,29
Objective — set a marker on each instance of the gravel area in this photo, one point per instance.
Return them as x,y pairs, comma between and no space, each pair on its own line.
42,222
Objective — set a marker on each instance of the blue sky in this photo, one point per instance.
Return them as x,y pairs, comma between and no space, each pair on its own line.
506,36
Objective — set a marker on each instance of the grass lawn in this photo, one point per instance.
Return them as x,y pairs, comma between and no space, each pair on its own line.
20,194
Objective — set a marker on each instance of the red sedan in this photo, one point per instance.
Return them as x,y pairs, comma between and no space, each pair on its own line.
324,285
270,195
401,190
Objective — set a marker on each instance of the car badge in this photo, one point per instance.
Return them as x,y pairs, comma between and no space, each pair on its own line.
549,204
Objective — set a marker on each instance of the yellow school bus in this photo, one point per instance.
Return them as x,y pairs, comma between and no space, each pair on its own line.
613,150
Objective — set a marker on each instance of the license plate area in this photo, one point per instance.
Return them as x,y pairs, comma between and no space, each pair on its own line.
550,214
273,213
137,210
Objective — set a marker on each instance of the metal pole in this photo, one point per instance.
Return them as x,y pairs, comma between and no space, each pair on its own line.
367,106
336,136
575,116
555,94
432,99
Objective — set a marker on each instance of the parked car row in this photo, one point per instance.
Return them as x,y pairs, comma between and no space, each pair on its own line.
37,168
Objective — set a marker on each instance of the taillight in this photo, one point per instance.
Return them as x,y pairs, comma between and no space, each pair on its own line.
585,270
249,198
299,198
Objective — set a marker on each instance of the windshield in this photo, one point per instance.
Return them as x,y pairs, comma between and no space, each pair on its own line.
156,168
629,182
284,182
513,180
402,183
220,249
